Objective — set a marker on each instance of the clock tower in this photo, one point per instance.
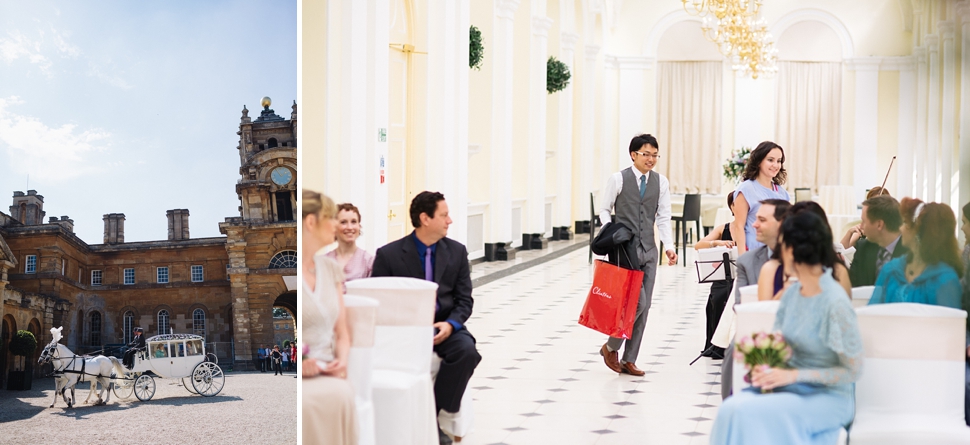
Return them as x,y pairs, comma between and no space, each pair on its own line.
262,239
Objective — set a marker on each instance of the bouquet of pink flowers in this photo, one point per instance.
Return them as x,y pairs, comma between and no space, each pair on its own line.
764,349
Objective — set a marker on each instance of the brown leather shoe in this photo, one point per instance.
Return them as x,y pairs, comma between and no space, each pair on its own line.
630,368
611,359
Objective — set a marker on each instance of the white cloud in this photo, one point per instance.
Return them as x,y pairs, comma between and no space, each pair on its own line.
53,154
17,45
109,78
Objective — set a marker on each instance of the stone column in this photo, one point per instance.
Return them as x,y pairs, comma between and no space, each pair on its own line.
446,153
932,118
922,81
499,240
949,112
536,157
964,11
866,125
906,129
564,153
583,172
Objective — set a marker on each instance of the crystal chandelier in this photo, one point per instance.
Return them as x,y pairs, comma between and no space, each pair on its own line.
738,32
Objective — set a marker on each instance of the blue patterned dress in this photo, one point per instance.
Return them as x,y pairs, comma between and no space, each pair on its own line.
827,351
754,193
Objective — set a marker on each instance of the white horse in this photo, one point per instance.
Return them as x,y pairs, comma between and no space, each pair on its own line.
73,369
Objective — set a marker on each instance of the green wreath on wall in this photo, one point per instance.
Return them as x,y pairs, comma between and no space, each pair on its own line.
557,75
476,49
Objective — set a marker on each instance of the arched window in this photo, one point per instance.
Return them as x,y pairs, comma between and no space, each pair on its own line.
95,338
128,323
285,259
198,322
271,143
162,322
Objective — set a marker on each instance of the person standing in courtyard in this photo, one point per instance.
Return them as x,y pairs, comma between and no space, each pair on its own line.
277,360
261,352
640,197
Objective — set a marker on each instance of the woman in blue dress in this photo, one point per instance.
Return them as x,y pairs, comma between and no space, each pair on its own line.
763,177
930,273
812,400
965,281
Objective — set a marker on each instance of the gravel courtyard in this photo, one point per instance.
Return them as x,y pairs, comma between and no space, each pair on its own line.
253,407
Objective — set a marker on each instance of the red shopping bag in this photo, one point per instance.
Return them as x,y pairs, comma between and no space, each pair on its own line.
611,305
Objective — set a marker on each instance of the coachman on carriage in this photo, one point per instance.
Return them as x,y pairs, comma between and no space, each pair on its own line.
178,356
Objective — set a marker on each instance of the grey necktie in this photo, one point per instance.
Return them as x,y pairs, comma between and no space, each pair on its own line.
881,259
643,185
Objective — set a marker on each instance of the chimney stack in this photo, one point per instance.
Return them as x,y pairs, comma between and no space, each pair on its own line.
65,222
29,208
178,224
114,228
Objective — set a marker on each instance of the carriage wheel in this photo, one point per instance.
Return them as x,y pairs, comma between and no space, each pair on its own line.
187,383
144,387
124,388
210,357
208,379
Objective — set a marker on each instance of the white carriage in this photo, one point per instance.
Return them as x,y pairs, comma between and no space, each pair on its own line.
172,356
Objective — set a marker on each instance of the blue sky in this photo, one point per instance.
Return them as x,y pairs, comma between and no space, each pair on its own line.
132,107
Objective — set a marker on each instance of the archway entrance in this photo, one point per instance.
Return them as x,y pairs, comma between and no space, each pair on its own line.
7,330
34,328
284,318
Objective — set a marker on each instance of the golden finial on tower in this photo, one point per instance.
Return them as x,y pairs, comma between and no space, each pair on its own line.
266,102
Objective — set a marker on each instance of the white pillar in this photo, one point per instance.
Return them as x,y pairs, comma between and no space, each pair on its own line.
500,205
964,106
446,155
866,125
949,112
587,135
906,130
536,156
357,83
564,153
933,118
631,104
919,172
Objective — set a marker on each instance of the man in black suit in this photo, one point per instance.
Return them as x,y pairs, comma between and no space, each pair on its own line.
137,344
427,254
880,224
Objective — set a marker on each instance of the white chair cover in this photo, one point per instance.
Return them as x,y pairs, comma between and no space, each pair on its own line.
861,295
725,325
361,315
751,318
912,386
458,424
403,393
749,294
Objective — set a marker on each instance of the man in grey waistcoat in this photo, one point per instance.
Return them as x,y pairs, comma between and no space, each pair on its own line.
641,199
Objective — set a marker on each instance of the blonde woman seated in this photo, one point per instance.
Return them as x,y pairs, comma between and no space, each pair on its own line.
774,279
329,415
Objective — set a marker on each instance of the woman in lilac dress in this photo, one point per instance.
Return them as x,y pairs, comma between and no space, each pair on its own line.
355,262
763,176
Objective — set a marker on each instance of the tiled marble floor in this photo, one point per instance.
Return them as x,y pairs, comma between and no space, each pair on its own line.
486,268
542,379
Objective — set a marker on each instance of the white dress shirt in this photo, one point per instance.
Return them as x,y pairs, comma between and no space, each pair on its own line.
613,187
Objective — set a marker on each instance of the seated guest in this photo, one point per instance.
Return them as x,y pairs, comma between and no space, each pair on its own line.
329,415
720,290
356,263
813,400
929,274
767,222
853,235
774,278
965,228
427,253
880,224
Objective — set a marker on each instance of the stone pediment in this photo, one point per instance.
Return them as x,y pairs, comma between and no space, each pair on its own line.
5,253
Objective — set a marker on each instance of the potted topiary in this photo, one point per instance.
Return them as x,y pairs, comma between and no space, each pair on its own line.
23,344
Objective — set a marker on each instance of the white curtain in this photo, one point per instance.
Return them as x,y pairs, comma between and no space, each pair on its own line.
689,125
808,122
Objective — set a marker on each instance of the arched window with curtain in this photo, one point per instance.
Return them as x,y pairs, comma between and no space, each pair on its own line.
94,337
162,322
128,323
198,322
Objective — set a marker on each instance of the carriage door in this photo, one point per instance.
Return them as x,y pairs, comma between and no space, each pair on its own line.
160,358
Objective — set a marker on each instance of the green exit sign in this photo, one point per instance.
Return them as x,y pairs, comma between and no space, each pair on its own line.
381,135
